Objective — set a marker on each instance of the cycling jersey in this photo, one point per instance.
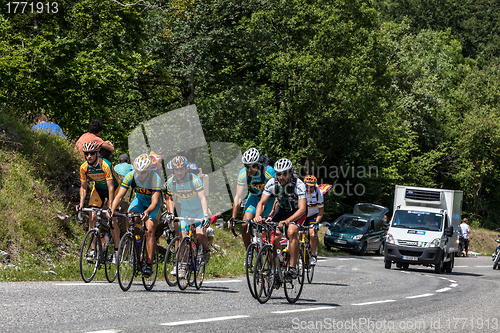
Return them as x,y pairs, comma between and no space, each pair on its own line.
283,196
100,174
143,192
256,183
187,193
314,202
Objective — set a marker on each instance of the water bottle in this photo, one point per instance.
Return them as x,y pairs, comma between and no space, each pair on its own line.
103,241
138,241
106,241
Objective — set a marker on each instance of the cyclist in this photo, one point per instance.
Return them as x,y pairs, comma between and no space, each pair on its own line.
315,209
290,192
145,182
188,189
253,170
105,186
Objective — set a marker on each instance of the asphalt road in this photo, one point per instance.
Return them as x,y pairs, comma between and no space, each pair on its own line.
348,294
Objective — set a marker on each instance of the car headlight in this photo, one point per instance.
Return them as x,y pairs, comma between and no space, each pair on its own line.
435,243
357,237
328,232
390,239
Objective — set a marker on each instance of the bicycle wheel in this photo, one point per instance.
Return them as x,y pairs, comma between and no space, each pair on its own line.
251,256
169,263
309,269
293,287
89,255
264,274
127,262
497,258
110,268
184,263
149,282
199,272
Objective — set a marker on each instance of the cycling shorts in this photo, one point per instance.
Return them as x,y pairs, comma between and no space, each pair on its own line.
140,206
308,221
197,214
98,195
251,205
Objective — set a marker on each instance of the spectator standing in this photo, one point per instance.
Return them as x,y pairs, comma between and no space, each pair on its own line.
42,123
465,231
95,128
123,167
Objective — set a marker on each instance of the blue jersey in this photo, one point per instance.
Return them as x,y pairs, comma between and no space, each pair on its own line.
143,191
187,193
257,185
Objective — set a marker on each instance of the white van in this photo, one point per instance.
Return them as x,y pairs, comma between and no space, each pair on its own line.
424,228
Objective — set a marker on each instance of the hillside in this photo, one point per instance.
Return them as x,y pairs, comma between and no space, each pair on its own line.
38,179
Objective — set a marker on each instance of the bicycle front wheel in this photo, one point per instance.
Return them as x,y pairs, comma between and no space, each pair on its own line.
110,267
127,262
199,271
309,269
293,287
184,262
89,255
170,263
264,274
149,281
250,258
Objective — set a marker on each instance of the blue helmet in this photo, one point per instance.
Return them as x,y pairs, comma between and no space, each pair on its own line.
178,162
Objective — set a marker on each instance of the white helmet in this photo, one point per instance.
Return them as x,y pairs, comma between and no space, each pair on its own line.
142,163
283,165
250,156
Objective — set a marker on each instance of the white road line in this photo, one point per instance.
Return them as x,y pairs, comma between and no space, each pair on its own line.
319,260
459,266
343,259
453,281
302,310
485,266
417,296
376,302
221,281
443,290
106,331
186,322
453,285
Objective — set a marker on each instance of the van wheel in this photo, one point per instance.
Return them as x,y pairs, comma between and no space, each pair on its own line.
387,264
363,249
439,266
448,266
406,266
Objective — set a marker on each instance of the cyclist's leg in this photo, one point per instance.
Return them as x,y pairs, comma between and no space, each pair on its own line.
248,213
313,235
95,201
151,224
278,216
293,243
115,232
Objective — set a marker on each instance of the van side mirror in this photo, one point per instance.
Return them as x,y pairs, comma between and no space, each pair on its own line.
449,231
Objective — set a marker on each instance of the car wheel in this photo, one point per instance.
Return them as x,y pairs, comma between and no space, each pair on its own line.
380,250
363,249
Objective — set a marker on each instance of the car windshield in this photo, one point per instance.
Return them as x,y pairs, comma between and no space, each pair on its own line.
412,219
370,210
350,222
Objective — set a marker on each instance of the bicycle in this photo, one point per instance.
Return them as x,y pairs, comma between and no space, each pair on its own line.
97,249
270,267
170,259
252,250
132,257
190,255
305,249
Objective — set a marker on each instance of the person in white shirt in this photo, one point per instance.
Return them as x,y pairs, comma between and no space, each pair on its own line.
464,232
315,209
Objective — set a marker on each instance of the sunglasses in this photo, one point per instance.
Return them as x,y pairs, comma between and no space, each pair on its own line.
253,166
309,187
88,153
282,174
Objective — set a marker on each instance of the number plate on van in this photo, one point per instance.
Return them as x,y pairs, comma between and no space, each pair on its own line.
410,258
340,241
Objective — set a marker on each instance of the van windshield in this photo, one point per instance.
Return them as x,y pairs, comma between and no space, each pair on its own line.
412,219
